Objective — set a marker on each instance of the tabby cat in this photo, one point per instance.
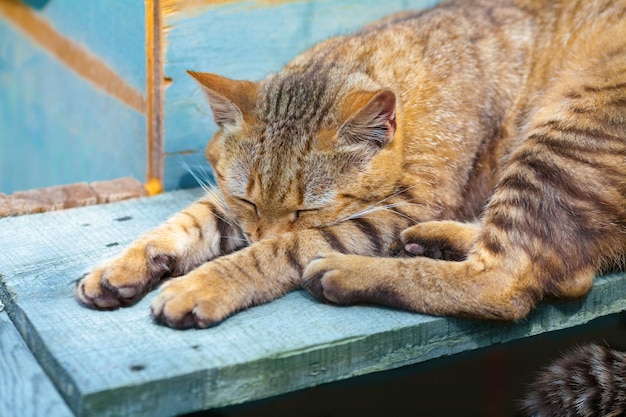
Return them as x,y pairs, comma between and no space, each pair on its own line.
489,137
589,381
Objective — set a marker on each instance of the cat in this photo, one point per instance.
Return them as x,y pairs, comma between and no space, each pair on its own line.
468,160
589,381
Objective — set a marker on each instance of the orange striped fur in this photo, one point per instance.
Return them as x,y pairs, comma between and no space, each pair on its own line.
492,132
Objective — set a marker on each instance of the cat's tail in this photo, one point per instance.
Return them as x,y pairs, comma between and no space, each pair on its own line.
589,381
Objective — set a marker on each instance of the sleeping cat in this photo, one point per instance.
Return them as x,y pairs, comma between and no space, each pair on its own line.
489,137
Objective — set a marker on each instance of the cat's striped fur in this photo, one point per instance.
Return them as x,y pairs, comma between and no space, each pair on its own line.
587,382
515,109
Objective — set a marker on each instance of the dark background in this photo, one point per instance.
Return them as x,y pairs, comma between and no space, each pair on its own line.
488,382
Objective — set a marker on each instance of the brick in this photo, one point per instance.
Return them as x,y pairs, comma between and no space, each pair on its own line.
118,189
36,201
28,206
39,197
79,195
68,196
53,198
6,208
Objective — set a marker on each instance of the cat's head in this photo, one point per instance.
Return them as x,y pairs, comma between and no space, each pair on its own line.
301,149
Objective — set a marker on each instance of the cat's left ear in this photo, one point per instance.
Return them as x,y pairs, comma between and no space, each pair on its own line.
371,118
230,99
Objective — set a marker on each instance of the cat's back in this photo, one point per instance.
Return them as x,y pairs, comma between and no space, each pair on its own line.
467,20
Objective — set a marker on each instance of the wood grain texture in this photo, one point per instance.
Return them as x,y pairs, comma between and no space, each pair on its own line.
25,390
155,95
57,115
70,53
244,40
120,363
115,33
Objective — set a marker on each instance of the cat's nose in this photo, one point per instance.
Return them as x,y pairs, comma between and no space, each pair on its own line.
264,234
255,235
269,230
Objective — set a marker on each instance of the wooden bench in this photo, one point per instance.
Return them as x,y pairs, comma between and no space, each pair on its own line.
119,363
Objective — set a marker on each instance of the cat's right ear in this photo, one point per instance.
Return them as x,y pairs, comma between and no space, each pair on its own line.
371,118
230,99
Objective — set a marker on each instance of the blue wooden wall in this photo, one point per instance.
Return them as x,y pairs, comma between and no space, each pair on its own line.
244,40
57,126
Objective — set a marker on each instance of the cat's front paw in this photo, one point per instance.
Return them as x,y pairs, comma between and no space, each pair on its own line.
199,299
336,278
445,240
123,281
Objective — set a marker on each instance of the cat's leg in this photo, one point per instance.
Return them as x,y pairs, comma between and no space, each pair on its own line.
556,217
265,270
447,240
491,287
198,233
484,286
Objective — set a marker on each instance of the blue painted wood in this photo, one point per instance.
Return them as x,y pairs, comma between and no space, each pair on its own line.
187,170
25,390
113,31
245,40
119,363
56,128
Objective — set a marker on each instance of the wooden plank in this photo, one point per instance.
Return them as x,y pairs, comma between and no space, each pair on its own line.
25,389
120,363
155,97
247,40
114,34
63,102
40,127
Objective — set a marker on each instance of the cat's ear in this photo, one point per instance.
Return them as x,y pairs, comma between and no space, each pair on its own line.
229,99
370,118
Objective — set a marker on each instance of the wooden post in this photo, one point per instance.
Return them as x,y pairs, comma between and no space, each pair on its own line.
154,92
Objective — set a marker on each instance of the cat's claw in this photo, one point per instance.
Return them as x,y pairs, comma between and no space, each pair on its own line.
194,300
330,278
447,240
96,291
121,282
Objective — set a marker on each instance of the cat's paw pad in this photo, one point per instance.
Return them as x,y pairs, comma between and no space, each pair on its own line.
445,240
329,278
121,282
192,300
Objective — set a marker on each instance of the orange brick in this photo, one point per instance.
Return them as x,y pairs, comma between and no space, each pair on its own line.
53,198
6,208
118,189
28,206
79,195
35,201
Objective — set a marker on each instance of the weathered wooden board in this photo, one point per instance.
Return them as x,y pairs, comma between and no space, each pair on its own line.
72,103
120,363
245,40
113,32
25,390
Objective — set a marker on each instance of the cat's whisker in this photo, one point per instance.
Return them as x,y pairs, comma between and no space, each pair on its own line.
385,208
236,238
396,194
214,195
230,223
204,185
374,208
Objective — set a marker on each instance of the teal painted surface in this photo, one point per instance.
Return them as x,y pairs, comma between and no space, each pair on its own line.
246,41
56,128
119,363
25,390
113,30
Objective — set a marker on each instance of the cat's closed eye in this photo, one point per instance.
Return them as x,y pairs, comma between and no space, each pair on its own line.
250,205
302,212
